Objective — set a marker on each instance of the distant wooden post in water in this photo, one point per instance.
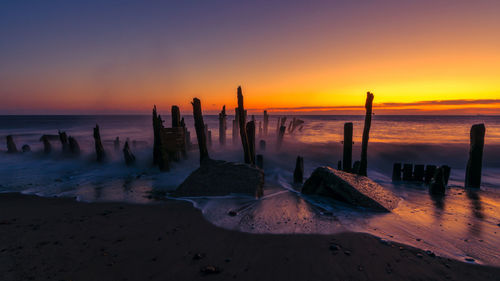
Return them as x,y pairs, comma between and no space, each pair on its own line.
127,154
64,141
74,148
222,126
250,127
47,147
298,174
266,122
475,162
366,132
11,145
242,126
347,159
99,149
200,130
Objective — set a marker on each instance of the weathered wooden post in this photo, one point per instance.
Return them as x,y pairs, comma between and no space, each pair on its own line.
419,173
281,135
446,173
47,148
475,162
99,149
64,141
366,132
11,145
222,126
251,140
396,172
260,161
298,174
430,170
347,159
176,116
74,148
262,145
242,126
128,155
408,172
200,130
438,186
266,122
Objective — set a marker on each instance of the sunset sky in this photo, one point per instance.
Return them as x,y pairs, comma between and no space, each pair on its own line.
86,57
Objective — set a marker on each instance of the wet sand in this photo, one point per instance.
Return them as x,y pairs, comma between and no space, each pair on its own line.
61,239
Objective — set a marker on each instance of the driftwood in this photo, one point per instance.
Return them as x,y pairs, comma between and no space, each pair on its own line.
74,148
250,128
222,126
11,145
294,124
260,161
242,126
266,122
347,158
128,155
200,130
298,174
64,141
475,162
99,149
366,132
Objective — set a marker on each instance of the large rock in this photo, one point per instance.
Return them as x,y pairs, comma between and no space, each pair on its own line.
350,188
216,178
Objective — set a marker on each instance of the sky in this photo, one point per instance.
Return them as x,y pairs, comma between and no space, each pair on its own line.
317,57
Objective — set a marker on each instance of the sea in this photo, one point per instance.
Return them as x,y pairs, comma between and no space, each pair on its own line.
463,225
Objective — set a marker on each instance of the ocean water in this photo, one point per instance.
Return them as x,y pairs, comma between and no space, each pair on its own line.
463,224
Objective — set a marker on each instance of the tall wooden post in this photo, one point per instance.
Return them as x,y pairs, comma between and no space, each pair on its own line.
298,174
200,130
266,122
11,145
251,140
475,163
222,126
242,125
366,131
99,149
176,116
347,159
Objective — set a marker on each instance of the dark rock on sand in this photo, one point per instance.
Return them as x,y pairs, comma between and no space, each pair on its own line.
350,188
216,178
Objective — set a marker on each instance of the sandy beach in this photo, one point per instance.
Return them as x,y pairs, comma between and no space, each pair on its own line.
61,239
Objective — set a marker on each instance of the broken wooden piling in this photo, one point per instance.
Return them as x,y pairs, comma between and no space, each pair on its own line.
396,172
47,147
176,116
11,145
242,126
475,162
128,155
64,141
74,147
408,172
418,172
99,149
200,130
430,170
366,131
298,174
250,128
222,126
281,135
347,158
438,186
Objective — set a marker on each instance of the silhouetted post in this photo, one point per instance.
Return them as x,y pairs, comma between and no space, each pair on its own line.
156,136
266,122
262,145
438,186
176,116
475,163
222,126
418,173
116,143
408,172
446,173
347,159
243,131
11,145
99,149
366,132
187,139
251,140
74,148
278,126
47,148
281,135
260,161
64,141
396,172
200,130
127,154
298,174
430,170
355,167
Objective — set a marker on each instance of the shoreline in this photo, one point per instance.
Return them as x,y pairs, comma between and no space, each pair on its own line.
62,239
